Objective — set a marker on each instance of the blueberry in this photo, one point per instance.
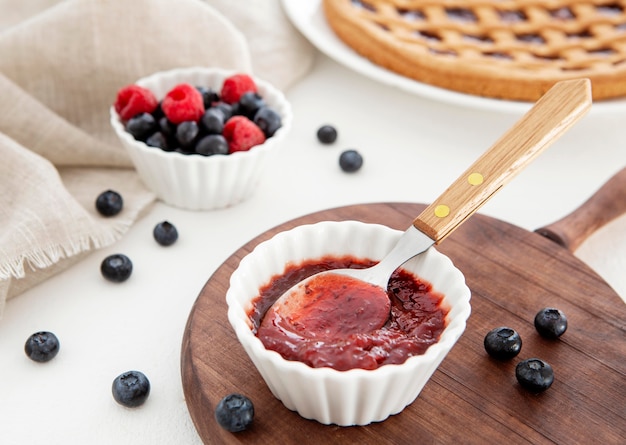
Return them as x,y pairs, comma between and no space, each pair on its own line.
183,151
327,134
550,322
158,112
109,203
267,120
534,374
235,110
226,109
186,133
503,343
209,96
212,121
42,346
350,161
141,126
213,144
131,389
234,413
249,103
167,127
116,268
165,233
157,140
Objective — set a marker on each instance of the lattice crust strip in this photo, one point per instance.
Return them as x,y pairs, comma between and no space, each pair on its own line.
511,49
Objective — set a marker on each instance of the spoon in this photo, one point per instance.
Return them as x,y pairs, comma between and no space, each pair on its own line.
306,307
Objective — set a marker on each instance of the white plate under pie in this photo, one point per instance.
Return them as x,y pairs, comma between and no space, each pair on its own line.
308,17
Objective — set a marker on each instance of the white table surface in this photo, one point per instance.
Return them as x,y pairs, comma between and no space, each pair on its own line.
412,147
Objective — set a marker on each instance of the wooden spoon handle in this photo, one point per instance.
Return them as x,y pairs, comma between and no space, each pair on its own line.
554,113
606,204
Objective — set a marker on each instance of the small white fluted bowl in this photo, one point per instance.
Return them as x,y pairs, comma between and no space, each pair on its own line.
354,397
196,182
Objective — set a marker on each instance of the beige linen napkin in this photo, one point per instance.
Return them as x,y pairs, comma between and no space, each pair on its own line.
61,64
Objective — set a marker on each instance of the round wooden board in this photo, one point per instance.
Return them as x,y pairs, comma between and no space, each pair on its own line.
471,398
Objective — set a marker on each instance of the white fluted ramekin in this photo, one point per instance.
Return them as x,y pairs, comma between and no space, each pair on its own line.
196,182
354,397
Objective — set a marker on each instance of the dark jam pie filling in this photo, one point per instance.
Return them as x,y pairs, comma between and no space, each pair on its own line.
411,15
363,5
512,16
461,14
416,321
563,14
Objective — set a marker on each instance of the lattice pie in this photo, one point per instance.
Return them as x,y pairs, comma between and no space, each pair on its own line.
509,49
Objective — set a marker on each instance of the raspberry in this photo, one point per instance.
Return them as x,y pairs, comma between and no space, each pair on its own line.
132,100
235,86
183,103
242,134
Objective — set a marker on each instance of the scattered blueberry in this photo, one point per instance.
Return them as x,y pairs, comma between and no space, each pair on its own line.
141,126
131,389
503,343
116,268
534,374
327,134
350,161
42,346
234,413
550,322
109,203
165,233
213,144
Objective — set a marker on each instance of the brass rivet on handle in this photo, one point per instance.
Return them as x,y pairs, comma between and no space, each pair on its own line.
475,179
441,211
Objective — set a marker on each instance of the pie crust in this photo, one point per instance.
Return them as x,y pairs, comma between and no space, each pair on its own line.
507,49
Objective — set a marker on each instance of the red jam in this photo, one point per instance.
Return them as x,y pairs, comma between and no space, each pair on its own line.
351,334
330,306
